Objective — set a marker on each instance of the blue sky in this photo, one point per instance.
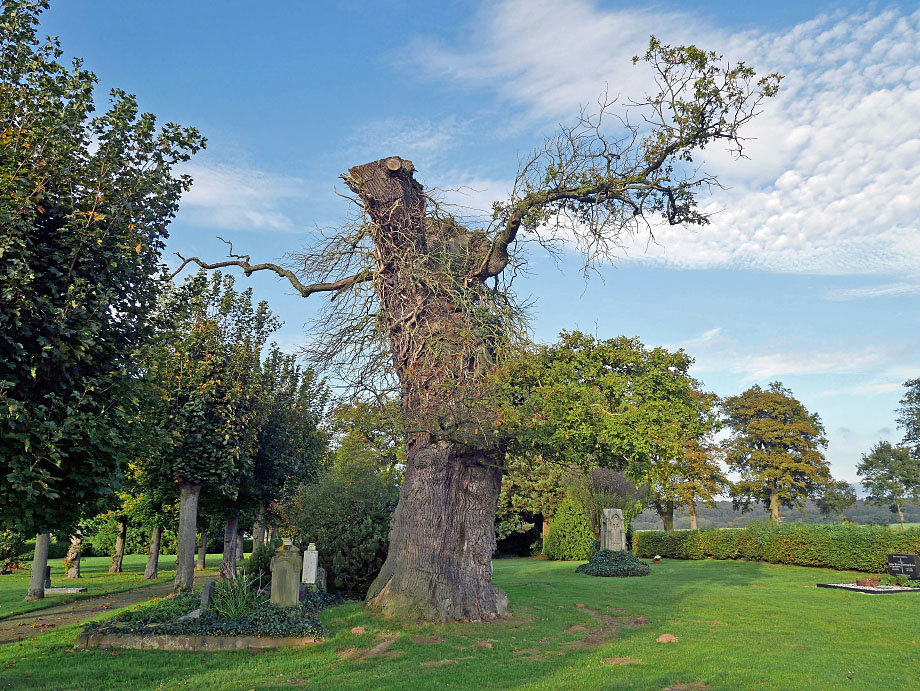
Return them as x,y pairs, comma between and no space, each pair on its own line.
808,273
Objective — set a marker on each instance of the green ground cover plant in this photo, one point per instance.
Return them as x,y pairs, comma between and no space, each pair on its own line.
738,625
842,546
607,562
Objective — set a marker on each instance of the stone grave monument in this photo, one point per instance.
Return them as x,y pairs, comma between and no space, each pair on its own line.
286,567
310,561
613,530
904,565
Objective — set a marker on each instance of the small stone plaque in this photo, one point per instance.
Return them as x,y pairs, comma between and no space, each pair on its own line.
904,565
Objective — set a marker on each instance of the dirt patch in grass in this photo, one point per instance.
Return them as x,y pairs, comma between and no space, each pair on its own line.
352,653
667,638
617,661
422,640
437,663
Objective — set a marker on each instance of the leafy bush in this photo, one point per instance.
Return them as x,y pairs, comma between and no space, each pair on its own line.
607,562
12,547
349,520
842,546
235,597
259,564
102,532
569,537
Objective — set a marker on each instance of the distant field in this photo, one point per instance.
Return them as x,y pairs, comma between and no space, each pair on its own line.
906,525
737,625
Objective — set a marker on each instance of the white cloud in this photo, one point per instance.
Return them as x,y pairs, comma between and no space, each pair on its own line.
234,197
881,290
419,140
830,184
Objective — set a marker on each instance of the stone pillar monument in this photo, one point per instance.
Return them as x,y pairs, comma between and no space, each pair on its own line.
310,560
613,530
285,575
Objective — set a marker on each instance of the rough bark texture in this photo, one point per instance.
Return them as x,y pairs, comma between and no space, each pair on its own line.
258,533
774,505
119,556
74,552
666,511
442,534
153,558
228,564
185,549
240,547
202,551
692,509
39,564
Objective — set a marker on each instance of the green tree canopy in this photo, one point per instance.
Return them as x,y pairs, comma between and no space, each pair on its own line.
775,445
837,498
84,206
891,477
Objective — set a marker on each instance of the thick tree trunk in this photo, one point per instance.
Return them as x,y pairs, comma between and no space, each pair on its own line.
153,559
72,562
240,547
442,537
666,512
39,565
119,556
202,551
692,508
185,549
258,532
228,565
272,535
774,505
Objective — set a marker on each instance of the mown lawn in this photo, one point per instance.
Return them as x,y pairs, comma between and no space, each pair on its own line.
95,578
738,625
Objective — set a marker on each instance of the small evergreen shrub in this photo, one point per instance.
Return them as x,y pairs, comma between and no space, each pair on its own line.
841,546
606,562
349,520
570,537
259,564
12,548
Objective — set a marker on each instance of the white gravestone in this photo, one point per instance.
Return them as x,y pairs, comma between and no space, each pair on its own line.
613,533
310,559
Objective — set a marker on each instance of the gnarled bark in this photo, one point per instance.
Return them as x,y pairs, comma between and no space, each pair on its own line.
39,565
665,510
185,550
74,552
240,547
228,564
119,556
153,558
202,551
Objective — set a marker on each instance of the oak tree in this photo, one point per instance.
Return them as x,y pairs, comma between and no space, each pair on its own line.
776,446
426,296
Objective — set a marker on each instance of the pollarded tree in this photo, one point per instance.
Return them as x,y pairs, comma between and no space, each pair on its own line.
890,476
84,207
775,445
432,305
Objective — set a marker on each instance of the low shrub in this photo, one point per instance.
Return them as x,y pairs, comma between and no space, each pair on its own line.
607,562
259,564
236,597
842,546
159,611
12,548
569,537
349,520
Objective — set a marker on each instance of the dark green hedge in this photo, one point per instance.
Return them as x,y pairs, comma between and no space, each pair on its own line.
569,537
841,546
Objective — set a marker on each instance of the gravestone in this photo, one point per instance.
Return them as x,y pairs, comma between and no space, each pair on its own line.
310,561
613,530
286,570
207,592
47,577
904,565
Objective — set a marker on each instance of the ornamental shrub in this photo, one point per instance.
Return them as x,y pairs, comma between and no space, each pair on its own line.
348,517
607,562
259,564
841,546
569,537
12,547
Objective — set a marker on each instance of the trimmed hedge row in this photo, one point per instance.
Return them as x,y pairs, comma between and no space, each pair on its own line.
841,546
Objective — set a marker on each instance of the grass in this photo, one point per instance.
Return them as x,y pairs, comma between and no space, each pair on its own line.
95,578
738,625
897,526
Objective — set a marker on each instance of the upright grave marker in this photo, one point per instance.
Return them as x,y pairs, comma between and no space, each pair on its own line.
613,532
285,569
310,561
904,565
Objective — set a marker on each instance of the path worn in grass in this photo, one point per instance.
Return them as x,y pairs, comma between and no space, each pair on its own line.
23,626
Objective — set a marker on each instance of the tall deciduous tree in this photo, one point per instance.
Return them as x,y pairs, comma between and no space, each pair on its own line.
84,206
776,445
890,476
837,498
431,302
